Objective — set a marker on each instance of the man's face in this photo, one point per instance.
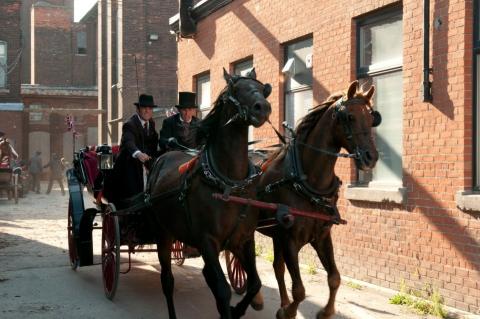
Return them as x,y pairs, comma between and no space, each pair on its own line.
145,113
187,113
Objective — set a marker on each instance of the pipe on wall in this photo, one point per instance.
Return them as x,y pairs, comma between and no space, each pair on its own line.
427,85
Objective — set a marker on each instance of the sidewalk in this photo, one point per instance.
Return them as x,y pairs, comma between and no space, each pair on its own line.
36,281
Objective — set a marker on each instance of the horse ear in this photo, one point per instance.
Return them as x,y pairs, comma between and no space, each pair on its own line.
252,74
370,92
226,76
352,89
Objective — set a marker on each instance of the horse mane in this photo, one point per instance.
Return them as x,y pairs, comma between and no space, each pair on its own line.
308,121
205,127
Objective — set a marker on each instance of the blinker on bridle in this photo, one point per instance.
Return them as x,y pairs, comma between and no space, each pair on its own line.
341,112
242,110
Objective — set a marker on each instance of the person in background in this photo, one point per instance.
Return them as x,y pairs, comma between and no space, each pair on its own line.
176,128
35,168
56,173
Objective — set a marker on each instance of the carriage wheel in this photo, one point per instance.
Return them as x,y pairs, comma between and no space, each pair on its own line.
110,252
15,188
177,252
236,274
72,245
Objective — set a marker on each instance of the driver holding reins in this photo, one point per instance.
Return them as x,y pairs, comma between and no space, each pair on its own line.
138,147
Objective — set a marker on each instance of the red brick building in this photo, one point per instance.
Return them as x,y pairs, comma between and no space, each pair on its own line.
60,78
138,55
415,217
11,107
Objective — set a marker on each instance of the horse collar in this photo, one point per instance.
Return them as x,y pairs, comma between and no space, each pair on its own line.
294,171
214,177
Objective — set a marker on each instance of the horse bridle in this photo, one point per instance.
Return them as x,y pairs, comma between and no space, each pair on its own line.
242,109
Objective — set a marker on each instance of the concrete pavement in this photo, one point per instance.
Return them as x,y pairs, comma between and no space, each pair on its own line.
36,281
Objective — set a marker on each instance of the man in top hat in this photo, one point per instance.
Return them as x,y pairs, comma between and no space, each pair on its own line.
138,147
176,129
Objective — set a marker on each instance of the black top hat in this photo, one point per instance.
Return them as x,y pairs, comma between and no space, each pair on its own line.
145,100
186,100
2,133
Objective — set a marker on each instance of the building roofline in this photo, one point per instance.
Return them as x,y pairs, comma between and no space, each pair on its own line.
91,13
200,11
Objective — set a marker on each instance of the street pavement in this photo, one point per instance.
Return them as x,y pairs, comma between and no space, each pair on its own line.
37,282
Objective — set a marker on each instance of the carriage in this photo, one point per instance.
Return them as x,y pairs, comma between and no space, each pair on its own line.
122,230
9,182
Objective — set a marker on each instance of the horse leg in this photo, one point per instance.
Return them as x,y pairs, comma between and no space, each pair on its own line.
279,269
324,249
215,278
290,254
164,247
247,259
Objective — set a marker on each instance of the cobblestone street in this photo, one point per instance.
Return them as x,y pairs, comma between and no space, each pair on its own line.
37,282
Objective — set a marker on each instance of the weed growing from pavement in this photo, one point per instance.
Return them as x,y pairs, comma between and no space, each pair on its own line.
354,285
424,301
311,269
258,250
269,256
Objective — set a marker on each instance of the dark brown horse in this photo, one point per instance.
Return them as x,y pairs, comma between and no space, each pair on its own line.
301,175
191,215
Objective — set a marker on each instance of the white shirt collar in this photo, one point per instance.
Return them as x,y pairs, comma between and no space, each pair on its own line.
142,121
182,120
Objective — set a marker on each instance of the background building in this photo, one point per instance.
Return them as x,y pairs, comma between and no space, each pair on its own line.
414,218
138,55
11,107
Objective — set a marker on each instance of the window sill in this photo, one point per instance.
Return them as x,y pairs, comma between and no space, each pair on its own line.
376,194
468,200
4,91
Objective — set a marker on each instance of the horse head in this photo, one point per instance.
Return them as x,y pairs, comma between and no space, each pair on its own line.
249,96
355,119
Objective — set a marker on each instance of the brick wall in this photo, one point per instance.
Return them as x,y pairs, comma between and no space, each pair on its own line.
427,239
10,33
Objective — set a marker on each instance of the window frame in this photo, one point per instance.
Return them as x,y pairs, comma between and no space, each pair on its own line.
196,81
369,75
301,88
78,48
5,86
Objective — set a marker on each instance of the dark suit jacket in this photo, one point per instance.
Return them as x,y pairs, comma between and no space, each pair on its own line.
174,127
127,175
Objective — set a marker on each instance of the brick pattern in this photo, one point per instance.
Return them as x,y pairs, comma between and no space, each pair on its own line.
10,33
427,240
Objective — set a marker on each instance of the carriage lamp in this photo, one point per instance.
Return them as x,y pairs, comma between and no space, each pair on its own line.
105,157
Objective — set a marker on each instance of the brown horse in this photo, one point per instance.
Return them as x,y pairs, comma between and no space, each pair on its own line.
191,215
301,175
7,154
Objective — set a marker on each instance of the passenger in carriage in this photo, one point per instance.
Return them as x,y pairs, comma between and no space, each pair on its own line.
176,128
138,148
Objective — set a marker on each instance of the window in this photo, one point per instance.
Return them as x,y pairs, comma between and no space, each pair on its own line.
379,61
298,80
242,68
81,42
3,64
203,94
476,97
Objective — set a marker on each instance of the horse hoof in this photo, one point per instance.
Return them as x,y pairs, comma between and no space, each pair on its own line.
256,306
282,314
324,315
257,302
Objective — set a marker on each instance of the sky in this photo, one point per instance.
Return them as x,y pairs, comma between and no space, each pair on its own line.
81,7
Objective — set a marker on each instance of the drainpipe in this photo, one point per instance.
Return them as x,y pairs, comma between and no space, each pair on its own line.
427,85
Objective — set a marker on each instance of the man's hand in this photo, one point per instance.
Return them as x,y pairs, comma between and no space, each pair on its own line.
143,157
172,142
